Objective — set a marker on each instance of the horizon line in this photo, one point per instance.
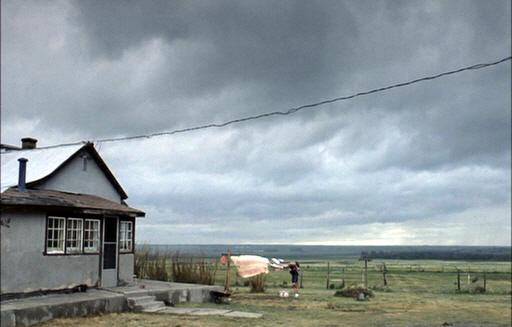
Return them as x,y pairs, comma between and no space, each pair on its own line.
302,244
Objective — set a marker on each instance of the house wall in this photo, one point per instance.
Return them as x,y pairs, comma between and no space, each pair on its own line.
24,268
126,262
72,178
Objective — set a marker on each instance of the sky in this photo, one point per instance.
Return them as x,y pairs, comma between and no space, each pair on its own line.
427,164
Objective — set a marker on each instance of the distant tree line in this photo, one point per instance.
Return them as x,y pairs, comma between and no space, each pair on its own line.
467,254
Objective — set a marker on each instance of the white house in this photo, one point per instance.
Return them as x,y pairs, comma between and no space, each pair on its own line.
64,221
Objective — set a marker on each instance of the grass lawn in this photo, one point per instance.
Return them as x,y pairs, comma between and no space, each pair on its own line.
419,293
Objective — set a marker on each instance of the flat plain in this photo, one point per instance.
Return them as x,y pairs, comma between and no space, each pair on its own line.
419,293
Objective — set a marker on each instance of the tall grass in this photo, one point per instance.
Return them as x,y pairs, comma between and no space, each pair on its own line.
151,265
165,266
257,283
193,270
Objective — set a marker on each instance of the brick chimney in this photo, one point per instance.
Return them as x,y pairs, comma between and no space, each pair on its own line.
28,143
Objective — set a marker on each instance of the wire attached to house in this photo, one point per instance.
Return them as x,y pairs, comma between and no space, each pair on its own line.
289,111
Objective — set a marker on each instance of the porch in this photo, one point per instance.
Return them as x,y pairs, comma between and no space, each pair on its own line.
32,310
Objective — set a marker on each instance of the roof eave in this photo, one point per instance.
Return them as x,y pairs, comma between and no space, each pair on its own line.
92,211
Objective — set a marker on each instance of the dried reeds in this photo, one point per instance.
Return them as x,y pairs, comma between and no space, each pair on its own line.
193,270
257,283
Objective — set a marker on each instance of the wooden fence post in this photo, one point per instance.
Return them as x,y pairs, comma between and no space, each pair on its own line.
485,281
328,274
458,279
228,270
384,272
364,257
366,274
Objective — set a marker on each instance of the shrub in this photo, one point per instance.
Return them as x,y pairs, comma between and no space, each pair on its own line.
354,291
257,283
332,306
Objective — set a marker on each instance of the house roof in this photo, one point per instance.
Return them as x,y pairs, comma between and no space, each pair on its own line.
45,162
84,203
8,147
42,163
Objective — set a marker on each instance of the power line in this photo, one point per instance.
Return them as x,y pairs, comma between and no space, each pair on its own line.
289,111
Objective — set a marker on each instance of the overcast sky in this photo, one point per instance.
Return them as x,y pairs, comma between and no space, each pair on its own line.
424,164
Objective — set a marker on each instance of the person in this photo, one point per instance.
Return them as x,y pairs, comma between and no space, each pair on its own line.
294,271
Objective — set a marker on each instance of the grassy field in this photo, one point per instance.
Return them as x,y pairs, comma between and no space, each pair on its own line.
419,293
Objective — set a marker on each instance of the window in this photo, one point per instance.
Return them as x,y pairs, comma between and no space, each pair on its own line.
74,236
55,235
126,236
91,235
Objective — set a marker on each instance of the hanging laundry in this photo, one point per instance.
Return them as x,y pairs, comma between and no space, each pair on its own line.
278,264
250,265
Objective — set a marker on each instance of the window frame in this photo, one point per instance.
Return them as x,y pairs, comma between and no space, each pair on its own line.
80,236
67,218
131,239
46,240
98,234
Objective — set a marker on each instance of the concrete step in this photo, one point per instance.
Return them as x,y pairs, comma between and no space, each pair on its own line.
156,309
149,306
144,303
133,301
136,293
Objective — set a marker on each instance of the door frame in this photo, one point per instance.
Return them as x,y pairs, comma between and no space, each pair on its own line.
102,257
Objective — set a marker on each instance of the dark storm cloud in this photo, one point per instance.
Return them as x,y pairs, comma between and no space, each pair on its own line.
391,161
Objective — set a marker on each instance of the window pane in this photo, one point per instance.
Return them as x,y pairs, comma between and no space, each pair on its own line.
125,236
92,235
55,235
74,235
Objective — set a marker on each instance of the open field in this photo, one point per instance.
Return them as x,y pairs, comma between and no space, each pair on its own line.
419,293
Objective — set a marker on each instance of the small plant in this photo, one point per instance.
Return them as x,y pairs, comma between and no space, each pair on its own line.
354,291
332,306
257,283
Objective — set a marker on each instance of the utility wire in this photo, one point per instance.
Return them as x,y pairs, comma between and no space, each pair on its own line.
289,111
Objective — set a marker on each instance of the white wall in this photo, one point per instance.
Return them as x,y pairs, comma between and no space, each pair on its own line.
72,178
